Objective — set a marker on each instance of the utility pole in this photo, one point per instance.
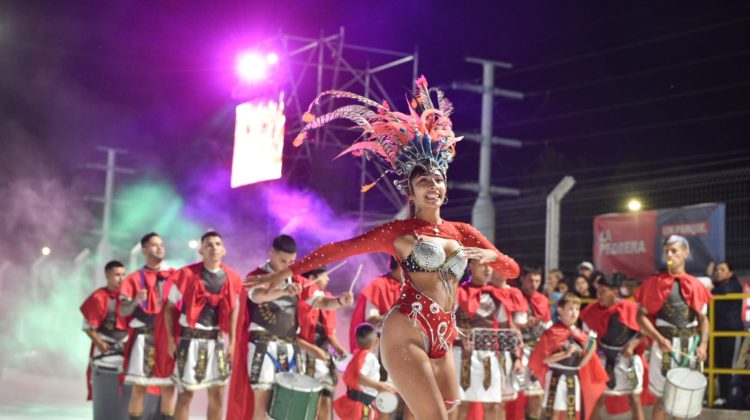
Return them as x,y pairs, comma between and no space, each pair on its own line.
104,248
483,212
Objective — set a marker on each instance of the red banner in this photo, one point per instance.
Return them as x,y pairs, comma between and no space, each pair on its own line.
624,242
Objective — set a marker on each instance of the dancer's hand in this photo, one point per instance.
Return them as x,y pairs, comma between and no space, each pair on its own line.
480,254
628,351
700,352
265,278
141,295
665,346
321,354
102,345
171,348
346,299
292,289
386,387
517,366
229,350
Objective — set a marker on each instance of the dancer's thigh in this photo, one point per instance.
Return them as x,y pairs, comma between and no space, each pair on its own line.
409,367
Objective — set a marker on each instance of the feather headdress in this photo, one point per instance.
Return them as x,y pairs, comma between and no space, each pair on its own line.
398,142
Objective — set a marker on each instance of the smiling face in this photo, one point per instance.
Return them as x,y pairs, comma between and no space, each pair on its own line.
427,189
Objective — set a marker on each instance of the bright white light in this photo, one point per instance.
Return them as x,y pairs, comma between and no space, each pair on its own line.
251,67
193,244
634,205
46,251
272,58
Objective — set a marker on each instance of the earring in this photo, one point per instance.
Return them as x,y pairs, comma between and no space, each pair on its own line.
445,199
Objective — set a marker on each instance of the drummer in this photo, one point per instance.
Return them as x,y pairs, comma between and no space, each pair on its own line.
483,361
614,321
672,311
362,378
267,331
108,334
317,333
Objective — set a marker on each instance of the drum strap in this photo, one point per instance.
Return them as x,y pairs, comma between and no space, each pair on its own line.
283,360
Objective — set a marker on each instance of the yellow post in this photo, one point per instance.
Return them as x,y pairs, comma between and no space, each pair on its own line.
711,341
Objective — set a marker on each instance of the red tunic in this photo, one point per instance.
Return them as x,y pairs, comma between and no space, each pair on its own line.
148,279
195,296
382,292
94,310
539,305
381,239
592,376
308,318
653,292
240,403
345,407
597,318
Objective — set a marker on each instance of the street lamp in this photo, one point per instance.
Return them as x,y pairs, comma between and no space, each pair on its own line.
634,204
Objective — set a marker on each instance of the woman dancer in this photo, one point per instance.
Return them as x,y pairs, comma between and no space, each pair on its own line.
419,330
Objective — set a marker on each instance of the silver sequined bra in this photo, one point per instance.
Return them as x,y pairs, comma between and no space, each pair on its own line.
429,257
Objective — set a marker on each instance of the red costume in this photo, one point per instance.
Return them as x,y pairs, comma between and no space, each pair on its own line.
597,319
94,310
345,407
653,292
195,296
382,292
539,306
241,401
437,324
309,316
592,376
152,306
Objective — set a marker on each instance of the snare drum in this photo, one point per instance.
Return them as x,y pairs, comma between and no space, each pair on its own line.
295,397
386,402
683,393
108,402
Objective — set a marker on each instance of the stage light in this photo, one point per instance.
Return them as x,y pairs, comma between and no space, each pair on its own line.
46,251
634,204
193,244
254,67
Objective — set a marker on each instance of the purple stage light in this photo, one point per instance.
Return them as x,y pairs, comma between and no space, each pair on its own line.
253,67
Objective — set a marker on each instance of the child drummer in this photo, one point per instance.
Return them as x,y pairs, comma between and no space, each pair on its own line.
362,378
561,362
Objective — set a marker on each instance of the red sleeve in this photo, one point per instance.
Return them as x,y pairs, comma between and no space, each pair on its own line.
94,308
379,239
505,265
129,285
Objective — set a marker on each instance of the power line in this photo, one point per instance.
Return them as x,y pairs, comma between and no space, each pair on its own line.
637,128
623,105
624,47
705,60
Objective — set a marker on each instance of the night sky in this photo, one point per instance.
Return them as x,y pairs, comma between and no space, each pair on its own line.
612,89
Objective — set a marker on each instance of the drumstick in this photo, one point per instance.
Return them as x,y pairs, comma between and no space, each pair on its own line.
356,276
327,272
337,266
